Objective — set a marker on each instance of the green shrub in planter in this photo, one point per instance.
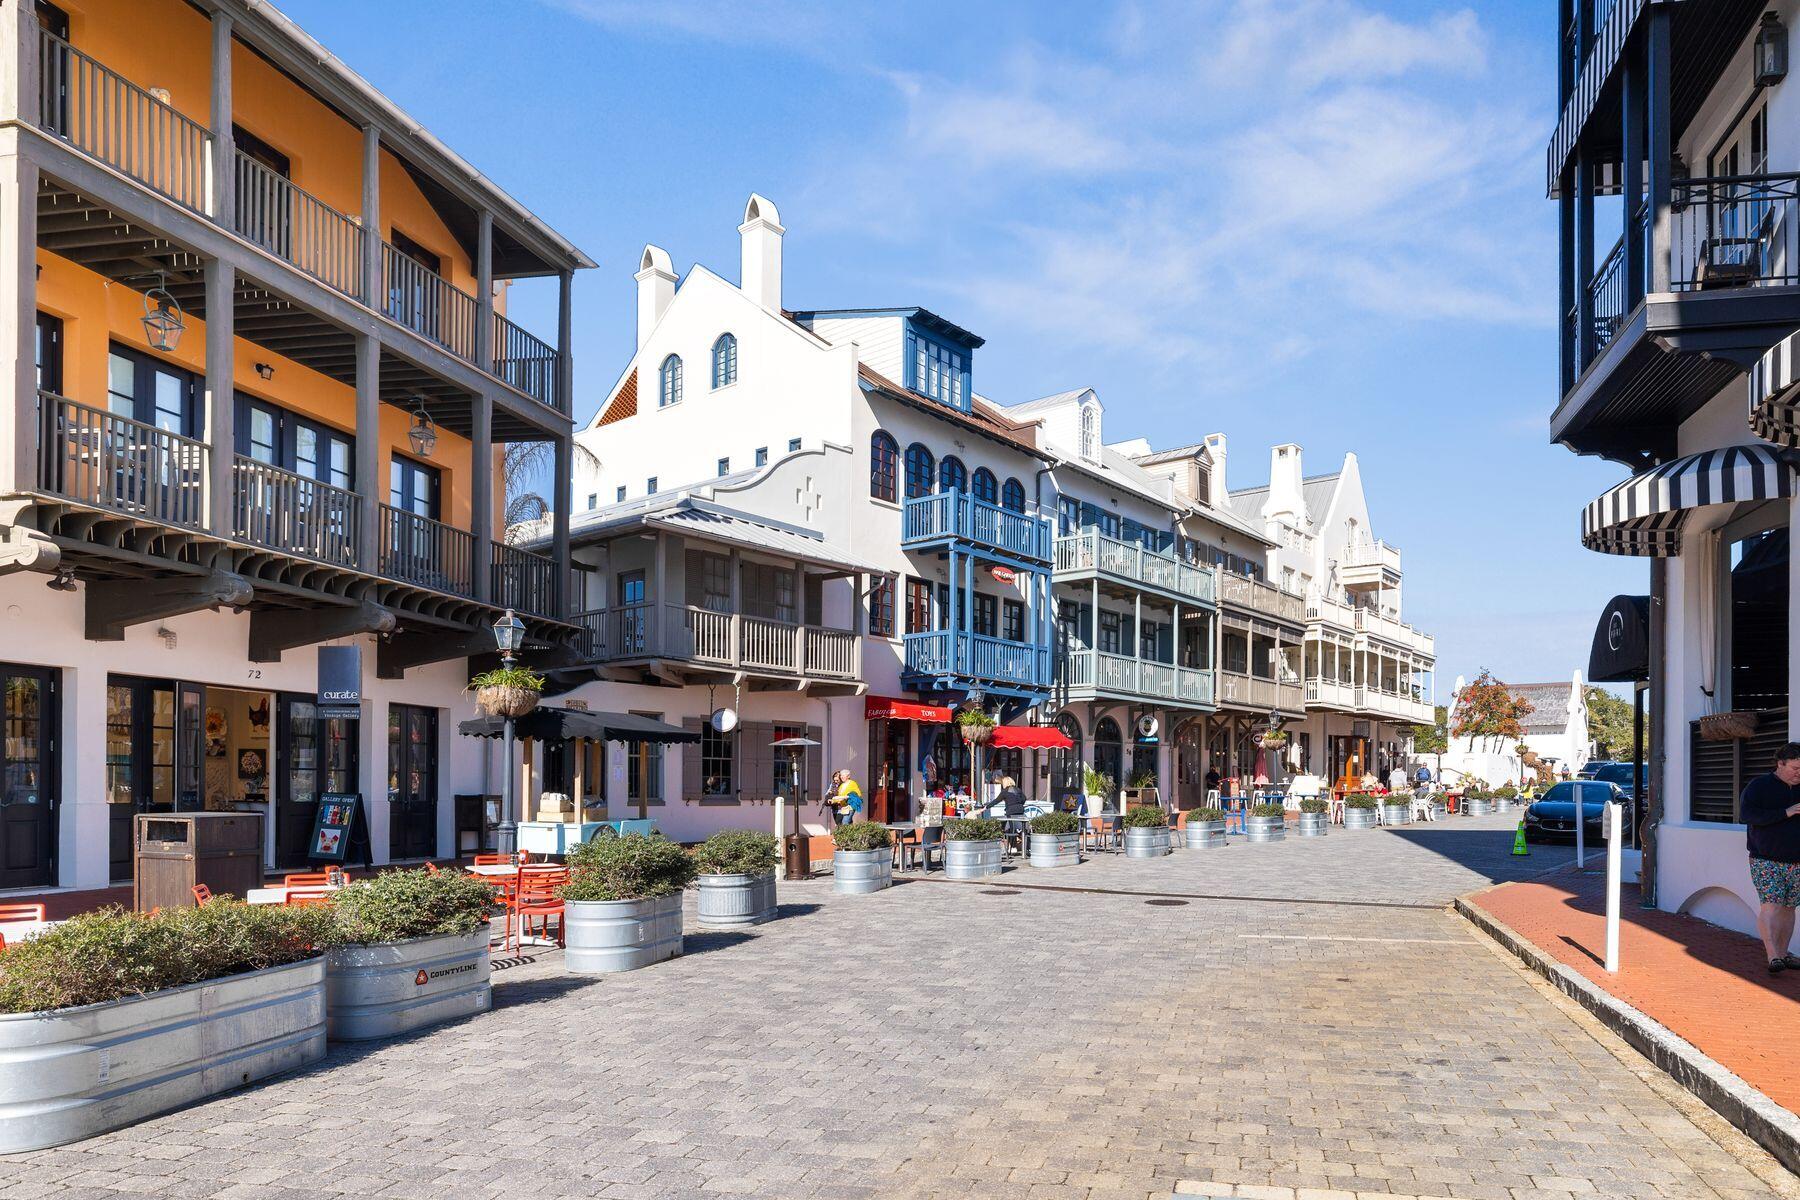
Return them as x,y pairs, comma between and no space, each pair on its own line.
1146,816
1506,792
111,954
1268,810
1312,804
737,852
1210,813
862,835
633,867
1056,822
973,829
397,906
1360,800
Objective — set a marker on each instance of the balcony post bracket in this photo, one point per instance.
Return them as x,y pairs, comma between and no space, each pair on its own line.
275,630
115,605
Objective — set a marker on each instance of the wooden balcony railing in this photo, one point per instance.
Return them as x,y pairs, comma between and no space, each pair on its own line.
1242,690
1091,551
527,362
291,513
730,641
979,657
296,226
428,553
1082,671
427,303
522,580
100,112
958,516
1241,591
92,457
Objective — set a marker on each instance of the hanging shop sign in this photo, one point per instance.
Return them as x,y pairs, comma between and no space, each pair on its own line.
1003,574
340,681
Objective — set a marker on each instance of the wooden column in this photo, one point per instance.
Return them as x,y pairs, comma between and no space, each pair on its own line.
1631,137
561,486
565,335
1584,255
224,147
484,290
221,393
371,219
19,433
1660,149
370,482
481,494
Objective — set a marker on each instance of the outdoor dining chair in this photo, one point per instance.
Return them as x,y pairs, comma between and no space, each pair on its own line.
307,898
494,860
931,841
537,897
202,893
309,879
21,912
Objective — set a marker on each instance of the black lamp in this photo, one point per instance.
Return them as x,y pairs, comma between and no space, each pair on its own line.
163,323
1771,51
423,434
509,635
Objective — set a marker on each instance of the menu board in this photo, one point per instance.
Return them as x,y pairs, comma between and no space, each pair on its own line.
332,826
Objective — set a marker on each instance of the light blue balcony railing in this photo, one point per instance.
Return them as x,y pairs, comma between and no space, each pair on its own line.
944,652
957,516
1089,673
1090,552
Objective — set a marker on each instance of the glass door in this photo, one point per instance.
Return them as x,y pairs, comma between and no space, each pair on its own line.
140,758
190,747
28,777
412,781
297,779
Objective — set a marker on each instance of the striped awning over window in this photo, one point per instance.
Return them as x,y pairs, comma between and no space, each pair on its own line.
1774,396
1643,516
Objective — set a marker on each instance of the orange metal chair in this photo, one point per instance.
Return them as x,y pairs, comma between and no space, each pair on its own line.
308,898
537,898
22,912
202,893
308,879
493,860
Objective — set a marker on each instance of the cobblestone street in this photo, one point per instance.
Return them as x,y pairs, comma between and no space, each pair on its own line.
945,1039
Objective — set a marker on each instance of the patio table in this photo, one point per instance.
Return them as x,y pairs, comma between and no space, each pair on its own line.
17,931
277,895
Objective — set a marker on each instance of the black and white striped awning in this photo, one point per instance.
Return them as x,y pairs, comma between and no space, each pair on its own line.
1774,398
1643,516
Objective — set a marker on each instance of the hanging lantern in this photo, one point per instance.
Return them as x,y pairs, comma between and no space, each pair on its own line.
1771,54
163,323
423,434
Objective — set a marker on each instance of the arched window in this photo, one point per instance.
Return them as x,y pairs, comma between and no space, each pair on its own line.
884,466
724,360
986,486
918,471
952,475
1065,765
1012,496
1109,752
671,382
1090,433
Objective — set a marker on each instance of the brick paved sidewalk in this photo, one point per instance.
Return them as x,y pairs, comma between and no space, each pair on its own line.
1707,985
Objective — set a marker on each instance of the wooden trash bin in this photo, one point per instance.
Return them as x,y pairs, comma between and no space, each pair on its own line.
174,851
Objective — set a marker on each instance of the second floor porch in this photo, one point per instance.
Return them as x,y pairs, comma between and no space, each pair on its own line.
1402,707
1085,675
957,520
684,644
955,660
1091,555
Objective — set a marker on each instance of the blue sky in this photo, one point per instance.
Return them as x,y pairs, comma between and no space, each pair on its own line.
1319,221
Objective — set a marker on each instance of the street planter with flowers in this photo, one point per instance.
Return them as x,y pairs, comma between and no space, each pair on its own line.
1396,809
1205,828
1265,823
412,951
1477,801
111,1017
1360,811
1055,840
864,859
736,883
622,904
1315,817
507,692
1506,796
1147,832
974,848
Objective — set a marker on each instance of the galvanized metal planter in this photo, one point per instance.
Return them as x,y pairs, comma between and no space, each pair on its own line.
1147,842
859,872
1204,835
1396,814
734,901
606,936
1314,824
974,860
1360,818
1055,849
1265,829
389,988
76,1072
1502,804
1477,808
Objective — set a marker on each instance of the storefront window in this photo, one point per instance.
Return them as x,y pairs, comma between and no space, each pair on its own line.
1065,765
1758,590
1109,751
716,766
890,772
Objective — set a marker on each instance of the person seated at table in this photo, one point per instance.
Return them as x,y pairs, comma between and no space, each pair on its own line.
1011,799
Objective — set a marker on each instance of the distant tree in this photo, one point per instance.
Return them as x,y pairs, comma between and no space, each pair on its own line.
524,467
1486,711
1433,738
1609,724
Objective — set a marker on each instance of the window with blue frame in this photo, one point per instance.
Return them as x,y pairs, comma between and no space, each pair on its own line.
986,614
1109,632
986,487
952,475
724,354
884,466
1150,640
1109,524
671,382
1012,620
918,471
1012,496
938,370
1068,515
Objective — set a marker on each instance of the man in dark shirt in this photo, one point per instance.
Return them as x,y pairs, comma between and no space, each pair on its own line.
1770,807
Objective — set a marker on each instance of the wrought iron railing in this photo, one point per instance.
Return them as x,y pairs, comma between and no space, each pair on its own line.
1734,231
522,580
419,550
127,127
288,512
96,458
296,226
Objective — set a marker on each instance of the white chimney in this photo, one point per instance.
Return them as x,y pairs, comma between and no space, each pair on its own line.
1215,449
656,289
1285,497
759,275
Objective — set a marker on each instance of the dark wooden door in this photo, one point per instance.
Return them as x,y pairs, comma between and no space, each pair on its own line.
412,781
28,777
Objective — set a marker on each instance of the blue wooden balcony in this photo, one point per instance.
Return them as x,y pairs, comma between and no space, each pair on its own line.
944,658
957,518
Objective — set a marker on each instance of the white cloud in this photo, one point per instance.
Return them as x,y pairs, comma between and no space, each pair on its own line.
808,26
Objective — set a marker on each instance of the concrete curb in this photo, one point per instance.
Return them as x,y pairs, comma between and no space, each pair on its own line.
1765,1122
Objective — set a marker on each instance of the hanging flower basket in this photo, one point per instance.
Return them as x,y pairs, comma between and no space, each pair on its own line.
1273,740
508,692
1727,727
976,726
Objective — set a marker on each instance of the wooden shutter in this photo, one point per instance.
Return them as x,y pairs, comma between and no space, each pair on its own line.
816,767
691,776
755,761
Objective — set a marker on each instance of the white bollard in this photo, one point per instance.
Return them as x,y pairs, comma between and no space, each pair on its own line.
1615,853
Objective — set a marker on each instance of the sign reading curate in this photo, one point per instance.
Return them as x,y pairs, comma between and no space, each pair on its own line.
340,681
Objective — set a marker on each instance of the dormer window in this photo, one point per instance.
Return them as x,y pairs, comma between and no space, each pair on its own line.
1090,433
938,369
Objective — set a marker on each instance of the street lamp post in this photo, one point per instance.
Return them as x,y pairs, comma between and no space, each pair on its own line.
509,634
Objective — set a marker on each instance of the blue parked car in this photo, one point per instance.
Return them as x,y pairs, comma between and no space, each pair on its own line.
1552,816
